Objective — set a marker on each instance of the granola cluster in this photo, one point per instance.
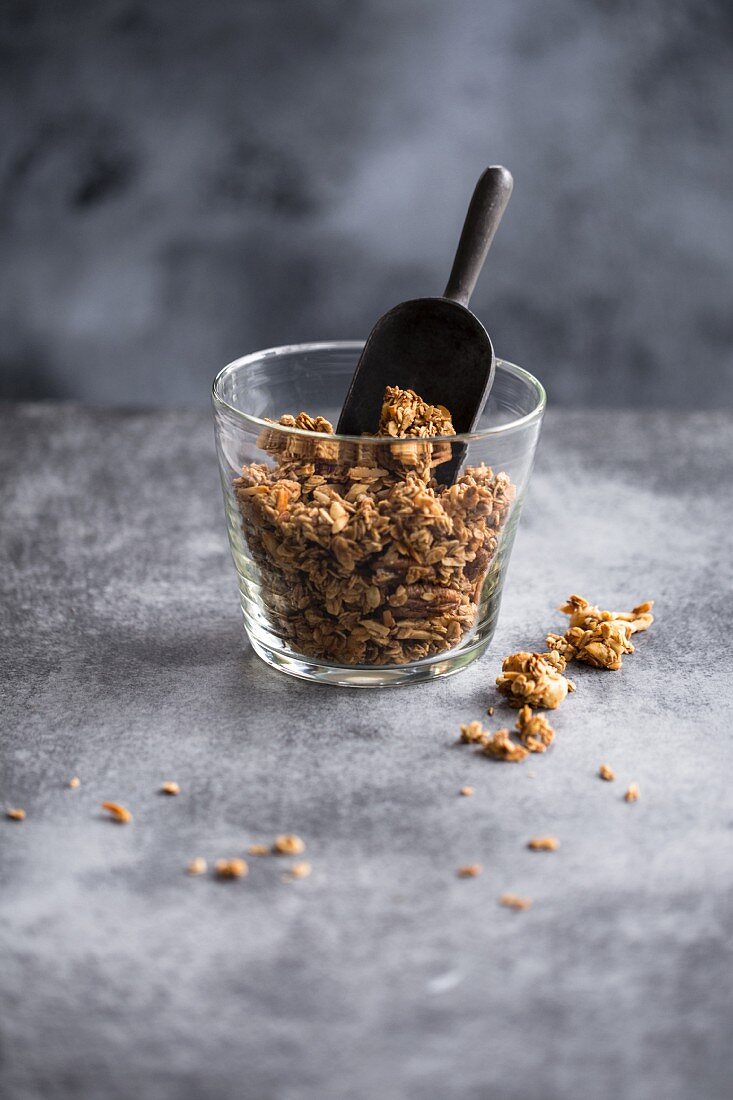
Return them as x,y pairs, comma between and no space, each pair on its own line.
534,680
599,638
363,557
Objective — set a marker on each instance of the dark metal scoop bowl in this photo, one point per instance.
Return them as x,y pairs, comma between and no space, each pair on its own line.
436,346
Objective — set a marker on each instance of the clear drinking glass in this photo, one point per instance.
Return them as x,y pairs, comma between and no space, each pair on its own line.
356,566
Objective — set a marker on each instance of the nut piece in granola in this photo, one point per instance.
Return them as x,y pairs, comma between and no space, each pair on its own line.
14,813
534,679
632,793
597,637
543,844
197,866
535,732
288,845
607,773
231,868
512,901
501,747
117,813
469,870
170,787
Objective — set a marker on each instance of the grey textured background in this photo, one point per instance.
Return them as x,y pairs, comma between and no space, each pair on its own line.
383,976
183,182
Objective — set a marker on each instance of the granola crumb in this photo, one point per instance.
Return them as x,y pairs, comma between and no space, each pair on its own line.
15,813
469,870
288,845
607,773
258,850
299,870
170,787
534,679
490,711
117,812
231,868
466,791
74,782
197,866
535,732
511,901
473,733
632,793
543,844
501,747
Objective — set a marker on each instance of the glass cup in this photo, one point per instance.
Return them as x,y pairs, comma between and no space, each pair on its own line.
359,563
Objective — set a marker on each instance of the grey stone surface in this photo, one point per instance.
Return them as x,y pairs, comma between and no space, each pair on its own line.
181,182
383,975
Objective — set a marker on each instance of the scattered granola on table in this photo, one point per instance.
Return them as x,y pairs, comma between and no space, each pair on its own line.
501,747
511,901
534,679
299,870
466,791
258,850
117,813
607,773
535,732
543,844
74,782
599,638
363,557
197,866
231,868
14,813
473,733
470,870
632,793
170,787
288,845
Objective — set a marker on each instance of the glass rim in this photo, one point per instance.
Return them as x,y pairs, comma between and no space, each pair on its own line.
355,345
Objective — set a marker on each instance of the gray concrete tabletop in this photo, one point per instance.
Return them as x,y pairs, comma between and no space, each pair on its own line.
382,975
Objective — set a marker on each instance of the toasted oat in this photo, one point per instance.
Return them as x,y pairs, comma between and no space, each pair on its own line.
543,844
535,732
258,850
632,793
197,866
170,787
466,791
511,901
473,733
15,813
299,870
599,638
231,868
117,812
74,782
534,679
288,845
501,747
469,870
607,773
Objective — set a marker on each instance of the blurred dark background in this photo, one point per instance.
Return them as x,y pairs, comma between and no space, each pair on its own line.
185,182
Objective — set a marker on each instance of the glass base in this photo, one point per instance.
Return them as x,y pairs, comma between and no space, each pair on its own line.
372,676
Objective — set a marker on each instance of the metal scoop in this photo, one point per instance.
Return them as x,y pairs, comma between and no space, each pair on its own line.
436,346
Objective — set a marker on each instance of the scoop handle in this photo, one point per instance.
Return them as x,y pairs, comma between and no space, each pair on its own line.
485,210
